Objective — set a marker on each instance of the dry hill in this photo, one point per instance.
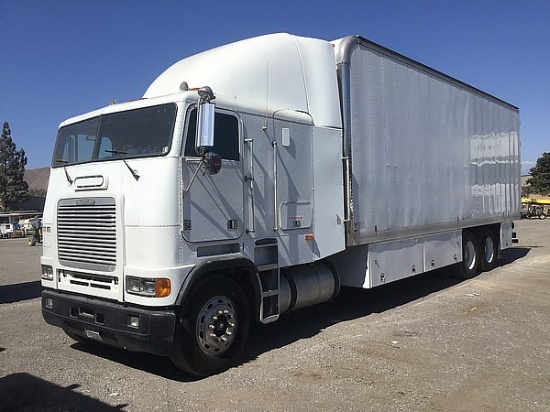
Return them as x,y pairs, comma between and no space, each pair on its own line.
37,179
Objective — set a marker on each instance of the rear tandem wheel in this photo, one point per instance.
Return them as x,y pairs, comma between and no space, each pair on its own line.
468,268
488,250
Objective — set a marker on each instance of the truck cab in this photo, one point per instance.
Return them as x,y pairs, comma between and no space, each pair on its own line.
196,205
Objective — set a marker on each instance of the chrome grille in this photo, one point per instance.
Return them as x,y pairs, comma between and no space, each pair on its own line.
86,233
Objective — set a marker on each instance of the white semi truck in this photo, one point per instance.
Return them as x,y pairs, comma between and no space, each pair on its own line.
258,178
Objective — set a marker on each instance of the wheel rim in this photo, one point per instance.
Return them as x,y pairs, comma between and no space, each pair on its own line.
489,249
216,325
470,255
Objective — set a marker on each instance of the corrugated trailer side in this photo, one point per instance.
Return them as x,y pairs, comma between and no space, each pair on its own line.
428,156
427,152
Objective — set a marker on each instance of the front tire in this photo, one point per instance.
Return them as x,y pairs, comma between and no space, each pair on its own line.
468,268
210,337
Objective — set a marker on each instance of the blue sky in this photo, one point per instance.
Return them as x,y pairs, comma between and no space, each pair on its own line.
63,58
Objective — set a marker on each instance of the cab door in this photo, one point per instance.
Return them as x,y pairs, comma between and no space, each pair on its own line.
213,204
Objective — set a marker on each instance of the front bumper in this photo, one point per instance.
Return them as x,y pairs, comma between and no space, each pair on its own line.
111,323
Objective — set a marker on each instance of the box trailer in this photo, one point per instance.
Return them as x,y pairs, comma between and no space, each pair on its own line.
258,178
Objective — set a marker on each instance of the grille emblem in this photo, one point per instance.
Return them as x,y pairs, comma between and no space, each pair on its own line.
85,201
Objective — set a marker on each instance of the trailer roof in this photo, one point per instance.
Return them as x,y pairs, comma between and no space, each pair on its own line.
345,46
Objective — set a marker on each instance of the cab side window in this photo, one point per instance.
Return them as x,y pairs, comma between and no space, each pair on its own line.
226,136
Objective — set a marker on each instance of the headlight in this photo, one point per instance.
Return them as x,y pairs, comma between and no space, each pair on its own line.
158,287
47,272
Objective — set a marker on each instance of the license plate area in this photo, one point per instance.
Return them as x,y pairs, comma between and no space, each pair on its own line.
87,314
93,334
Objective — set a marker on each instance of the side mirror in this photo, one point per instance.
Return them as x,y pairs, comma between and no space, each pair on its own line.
204,139
212,162
205,120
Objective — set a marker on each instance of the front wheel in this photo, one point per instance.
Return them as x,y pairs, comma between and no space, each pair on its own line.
542,216
211,335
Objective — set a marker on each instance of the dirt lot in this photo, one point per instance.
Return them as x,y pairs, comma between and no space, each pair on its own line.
424,344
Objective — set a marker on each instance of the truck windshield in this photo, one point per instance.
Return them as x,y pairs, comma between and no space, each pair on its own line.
135,133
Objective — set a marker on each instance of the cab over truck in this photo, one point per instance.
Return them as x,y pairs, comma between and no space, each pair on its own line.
258,178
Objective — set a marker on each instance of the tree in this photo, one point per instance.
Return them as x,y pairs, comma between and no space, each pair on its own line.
37,192
540,175
13,188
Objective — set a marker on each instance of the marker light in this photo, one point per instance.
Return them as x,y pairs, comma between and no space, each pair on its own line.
47,272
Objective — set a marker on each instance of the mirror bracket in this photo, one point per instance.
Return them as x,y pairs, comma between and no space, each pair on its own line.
212,163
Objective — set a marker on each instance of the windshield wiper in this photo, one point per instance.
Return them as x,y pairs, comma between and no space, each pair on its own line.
64,162
120,153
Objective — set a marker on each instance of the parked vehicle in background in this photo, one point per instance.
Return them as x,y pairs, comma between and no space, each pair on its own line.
232,195
11,230
6,229
17,231
31,225
535,208
12,225
5,225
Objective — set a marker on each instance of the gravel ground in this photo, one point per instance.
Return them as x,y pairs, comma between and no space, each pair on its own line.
425,344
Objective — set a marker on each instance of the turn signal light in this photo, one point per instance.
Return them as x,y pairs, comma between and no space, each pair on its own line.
163,287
